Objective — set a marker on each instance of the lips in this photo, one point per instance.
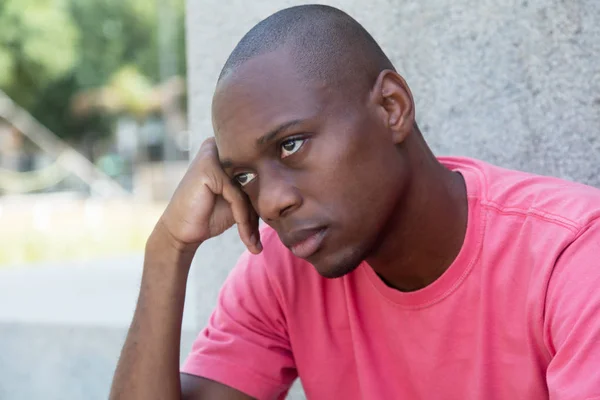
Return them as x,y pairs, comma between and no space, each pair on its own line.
304,243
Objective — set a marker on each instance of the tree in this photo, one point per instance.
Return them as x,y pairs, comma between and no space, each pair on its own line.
82,46
38,42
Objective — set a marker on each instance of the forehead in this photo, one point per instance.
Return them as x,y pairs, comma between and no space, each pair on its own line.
262,94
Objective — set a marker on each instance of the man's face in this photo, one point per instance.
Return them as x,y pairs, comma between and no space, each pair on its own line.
317,163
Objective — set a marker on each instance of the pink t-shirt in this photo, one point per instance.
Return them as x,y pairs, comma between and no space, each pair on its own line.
516,315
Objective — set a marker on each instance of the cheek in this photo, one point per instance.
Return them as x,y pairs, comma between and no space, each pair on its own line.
358,179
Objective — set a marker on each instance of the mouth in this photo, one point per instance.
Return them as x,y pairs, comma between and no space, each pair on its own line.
305,243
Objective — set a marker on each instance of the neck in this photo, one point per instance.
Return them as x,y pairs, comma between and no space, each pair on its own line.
427,230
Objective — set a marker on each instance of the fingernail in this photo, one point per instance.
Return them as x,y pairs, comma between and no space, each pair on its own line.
256,241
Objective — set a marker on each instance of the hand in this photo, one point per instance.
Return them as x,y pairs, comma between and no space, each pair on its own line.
207,203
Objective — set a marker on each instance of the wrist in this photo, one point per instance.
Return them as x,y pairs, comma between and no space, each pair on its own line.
162,246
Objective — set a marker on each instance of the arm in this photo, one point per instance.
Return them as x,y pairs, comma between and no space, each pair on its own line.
245,344
149,364
572,320
196,388
204,205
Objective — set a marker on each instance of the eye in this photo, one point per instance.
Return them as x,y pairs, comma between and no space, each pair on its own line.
290,146
245,178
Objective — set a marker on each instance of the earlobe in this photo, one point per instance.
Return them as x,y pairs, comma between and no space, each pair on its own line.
397,103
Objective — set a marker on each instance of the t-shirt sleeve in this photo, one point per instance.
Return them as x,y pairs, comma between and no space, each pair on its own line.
245,344
572,320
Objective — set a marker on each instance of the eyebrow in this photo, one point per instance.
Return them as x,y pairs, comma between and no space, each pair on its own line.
266,138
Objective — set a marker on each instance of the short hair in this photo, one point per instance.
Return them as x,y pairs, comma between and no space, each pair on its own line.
323,40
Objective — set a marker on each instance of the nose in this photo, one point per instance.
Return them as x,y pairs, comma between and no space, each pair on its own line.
277,195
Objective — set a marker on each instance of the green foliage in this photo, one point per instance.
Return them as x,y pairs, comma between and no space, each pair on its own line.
116,33
132,91
53,50
38,42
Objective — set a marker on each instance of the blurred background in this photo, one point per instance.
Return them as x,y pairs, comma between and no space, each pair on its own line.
95,135
93,140
93,132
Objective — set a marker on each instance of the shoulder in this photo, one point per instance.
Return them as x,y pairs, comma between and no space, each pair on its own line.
578,265
554,200
572,297
572,318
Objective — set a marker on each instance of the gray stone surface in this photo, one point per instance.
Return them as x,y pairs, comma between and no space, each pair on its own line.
62,326
61,362
512,82
101,292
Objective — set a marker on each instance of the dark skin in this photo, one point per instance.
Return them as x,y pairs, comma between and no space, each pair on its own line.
356,165
350,167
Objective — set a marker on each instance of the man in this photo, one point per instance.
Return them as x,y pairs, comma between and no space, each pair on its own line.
384,272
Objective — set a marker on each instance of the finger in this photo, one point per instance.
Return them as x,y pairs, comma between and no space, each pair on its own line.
197,168
207,150
241,214
254,224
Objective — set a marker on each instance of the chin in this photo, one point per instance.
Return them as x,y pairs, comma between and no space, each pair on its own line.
337,265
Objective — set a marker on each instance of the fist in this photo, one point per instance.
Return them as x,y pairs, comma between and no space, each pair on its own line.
206,203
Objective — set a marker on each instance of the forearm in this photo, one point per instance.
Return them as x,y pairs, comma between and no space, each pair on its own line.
149,364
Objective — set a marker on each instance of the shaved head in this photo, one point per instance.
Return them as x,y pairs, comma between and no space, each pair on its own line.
316,127
325,43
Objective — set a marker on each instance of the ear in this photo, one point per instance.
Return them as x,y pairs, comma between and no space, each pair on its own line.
393,99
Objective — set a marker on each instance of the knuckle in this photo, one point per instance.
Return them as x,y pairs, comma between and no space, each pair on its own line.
207,151
236,193
208,142
210,179
209,147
